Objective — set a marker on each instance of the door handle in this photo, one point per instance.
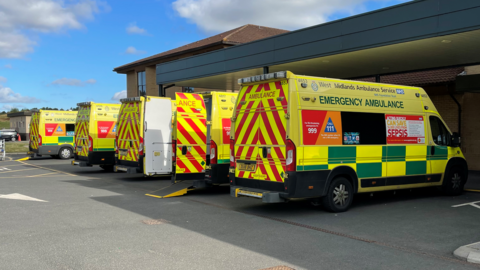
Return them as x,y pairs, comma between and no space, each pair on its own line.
184,150
145,126
432,150
265,152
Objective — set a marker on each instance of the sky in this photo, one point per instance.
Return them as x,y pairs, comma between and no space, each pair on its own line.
57,53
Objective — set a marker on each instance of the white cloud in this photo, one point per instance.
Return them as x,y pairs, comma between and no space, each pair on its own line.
8,96
3,79
20,19
223,15
8,66
134,29
72,82
132,50
119,95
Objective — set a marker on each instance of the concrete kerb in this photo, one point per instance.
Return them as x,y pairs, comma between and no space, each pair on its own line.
469,253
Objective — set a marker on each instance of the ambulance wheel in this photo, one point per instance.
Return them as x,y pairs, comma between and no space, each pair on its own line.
108,168
65,153
339,195
454,181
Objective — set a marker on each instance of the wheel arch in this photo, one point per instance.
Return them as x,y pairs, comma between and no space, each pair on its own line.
456,161
345,171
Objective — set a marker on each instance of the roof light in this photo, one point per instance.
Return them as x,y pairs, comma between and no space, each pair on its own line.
130,99
89,103
263,77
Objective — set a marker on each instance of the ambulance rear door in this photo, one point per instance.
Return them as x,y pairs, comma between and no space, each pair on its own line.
191,137
158,136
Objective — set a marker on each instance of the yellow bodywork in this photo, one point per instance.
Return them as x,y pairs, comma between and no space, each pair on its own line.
308,111
97,121
53,128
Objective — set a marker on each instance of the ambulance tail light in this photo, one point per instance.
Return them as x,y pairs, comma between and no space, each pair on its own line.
291,156
39,140
116,144
232,153
213,152
90,144
140,147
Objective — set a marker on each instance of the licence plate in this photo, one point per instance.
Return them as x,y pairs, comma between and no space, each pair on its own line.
123,152
79,149
249,193
246,167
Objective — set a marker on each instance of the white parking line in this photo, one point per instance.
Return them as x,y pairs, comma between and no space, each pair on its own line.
471,204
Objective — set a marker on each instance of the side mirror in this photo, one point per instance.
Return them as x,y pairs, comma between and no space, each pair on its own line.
456,141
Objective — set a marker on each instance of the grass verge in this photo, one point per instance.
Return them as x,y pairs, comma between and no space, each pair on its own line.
16,147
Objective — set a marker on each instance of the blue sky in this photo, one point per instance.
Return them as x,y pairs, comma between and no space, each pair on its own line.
65,53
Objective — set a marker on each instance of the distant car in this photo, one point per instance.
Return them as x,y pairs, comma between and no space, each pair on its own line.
8,135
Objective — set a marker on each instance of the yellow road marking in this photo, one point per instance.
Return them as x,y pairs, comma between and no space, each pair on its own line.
41,174
472,190
154,196
47,169
25,158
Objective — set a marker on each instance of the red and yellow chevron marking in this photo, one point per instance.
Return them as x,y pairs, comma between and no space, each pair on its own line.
129,128
81,130
34,131
261,123
191,123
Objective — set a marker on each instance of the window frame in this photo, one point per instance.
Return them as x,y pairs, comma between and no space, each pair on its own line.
141,83
440,125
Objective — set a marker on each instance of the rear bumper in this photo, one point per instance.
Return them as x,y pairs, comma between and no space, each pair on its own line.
296,185
96,158
126,169
266,196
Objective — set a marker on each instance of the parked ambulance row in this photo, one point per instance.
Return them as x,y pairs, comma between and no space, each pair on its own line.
285,137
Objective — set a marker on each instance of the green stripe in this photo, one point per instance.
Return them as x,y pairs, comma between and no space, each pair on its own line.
345,154
65,139
384,154
312,167
441,153
396,153
368,170
416,167
223,161
49,143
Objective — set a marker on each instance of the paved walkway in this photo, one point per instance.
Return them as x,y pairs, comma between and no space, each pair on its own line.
473,181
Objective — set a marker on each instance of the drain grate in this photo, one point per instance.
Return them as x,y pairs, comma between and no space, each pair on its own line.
280,267
155,221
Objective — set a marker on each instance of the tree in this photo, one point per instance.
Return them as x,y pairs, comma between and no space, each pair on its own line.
14,110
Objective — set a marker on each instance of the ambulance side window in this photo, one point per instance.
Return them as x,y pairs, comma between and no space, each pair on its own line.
70,129
440,134
363,128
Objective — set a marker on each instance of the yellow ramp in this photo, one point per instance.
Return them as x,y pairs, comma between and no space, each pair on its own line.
174,190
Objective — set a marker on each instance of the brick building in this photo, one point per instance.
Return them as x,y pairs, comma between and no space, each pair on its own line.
141,74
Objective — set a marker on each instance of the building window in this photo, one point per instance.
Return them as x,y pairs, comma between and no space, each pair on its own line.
142,84
363,128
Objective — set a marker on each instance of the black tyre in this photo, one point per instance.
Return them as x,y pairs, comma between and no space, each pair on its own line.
454,181
339,195
65,153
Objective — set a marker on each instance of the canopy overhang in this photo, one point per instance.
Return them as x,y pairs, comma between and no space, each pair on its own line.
414,36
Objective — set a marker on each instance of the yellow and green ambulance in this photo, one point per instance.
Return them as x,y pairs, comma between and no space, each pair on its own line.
302,137
52,133
95,134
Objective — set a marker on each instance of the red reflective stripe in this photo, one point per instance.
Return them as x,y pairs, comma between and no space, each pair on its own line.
194,162
239,106
278,121
200,151
270,133
180,164
197,130
243,119
185,134
182,96
180,109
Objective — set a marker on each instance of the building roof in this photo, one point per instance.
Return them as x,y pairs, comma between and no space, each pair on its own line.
240,35
24,113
